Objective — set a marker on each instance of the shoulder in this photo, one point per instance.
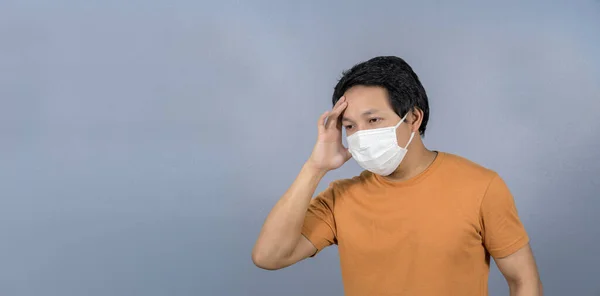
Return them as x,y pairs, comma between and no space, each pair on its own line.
359,182
471,179
459,168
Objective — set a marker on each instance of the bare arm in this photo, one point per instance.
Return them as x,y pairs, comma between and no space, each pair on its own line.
280,242
521,273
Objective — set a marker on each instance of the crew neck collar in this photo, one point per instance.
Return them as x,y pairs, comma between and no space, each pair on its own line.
415,179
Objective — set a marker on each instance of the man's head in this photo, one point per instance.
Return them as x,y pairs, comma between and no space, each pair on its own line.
379,93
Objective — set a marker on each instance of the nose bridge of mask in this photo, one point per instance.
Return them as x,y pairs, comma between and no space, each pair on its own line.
381,137
378,130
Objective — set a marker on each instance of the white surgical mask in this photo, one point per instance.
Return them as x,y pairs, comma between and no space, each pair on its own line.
377,150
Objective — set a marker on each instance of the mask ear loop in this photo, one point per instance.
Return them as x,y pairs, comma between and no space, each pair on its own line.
412,135
401,120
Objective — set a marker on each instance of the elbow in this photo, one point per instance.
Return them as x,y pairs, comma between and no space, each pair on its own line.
264,261
529,287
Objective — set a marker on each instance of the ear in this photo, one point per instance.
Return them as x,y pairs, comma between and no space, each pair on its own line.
415,118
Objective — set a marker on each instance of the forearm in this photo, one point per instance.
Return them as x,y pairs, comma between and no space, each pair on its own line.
282,228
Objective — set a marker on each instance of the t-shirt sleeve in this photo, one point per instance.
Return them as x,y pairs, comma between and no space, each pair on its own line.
502,230
319,224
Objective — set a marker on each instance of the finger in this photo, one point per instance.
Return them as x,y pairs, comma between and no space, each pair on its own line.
341,100
337,105
322,121
333,119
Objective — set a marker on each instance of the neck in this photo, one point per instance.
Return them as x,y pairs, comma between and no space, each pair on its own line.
417,159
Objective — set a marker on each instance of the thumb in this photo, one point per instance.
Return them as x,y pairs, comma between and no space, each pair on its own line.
347,154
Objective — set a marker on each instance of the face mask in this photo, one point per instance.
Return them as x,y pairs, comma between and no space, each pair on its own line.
377,150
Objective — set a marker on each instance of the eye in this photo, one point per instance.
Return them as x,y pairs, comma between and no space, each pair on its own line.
348,127
374,120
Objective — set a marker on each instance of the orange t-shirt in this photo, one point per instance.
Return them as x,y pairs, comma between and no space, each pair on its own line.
430,235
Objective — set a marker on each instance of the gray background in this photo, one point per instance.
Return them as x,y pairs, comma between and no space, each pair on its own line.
143,143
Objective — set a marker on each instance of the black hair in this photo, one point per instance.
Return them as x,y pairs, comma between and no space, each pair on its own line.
404,89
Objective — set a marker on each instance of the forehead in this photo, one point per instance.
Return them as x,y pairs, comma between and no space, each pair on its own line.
366,99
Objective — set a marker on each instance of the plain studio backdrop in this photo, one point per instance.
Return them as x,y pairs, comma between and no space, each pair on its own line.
142,143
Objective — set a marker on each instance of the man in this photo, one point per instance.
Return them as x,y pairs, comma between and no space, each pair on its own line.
416,221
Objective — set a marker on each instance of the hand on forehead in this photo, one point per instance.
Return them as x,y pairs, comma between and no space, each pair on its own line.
365,101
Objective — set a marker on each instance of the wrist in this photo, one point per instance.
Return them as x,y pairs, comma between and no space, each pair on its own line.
314,170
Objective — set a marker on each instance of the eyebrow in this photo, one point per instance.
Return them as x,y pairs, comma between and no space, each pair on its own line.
366,113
